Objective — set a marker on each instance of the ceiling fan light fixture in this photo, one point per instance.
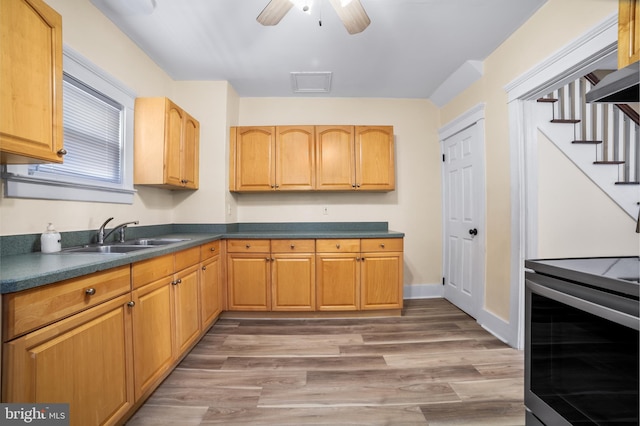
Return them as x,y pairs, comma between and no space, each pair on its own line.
303,5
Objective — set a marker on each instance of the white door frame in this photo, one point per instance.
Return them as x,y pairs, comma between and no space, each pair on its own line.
472,117
580,57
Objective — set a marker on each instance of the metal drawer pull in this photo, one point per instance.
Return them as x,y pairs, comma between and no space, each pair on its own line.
382,245
90,291
293,246
213,249
338,246
248,246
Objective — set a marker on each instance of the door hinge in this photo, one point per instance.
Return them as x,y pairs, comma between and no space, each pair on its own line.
443,158
442,280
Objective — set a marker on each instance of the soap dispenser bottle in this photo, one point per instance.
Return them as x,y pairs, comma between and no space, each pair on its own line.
50,241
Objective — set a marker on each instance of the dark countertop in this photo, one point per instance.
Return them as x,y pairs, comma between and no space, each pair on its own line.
617,274
24,271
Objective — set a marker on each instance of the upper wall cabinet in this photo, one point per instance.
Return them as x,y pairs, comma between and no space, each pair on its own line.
166,150
272,158
31,89
355,158
628,32
303,158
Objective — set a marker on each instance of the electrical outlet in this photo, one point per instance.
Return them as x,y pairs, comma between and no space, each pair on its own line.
325,211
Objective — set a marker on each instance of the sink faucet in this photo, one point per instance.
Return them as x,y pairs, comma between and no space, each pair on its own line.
101,232
121,228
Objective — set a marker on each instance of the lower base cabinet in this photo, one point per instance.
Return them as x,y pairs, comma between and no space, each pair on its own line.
85,360
104,341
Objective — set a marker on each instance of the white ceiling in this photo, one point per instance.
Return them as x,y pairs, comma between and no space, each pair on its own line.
408,51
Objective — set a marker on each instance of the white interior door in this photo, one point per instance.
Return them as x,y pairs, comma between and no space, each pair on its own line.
464,246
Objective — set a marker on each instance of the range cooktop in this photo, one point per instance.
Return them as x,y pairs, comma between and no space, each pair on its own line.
617,274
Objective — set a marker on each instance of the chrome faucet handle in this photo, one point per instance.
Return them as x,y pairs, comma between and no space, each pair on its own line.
101,231
123,227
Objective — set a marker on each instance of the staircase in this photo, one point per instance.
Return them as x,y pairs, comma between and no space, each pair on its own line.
603,140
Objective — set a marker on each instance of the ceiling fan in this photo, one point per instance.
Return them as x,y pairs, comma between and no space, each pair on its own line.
351,13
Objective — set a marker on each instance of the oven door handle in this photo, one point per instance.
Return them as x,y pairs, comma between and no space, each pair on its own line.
599,310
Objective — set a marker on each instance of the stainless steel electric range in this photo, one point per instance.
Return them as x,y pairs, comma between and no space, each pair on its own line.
581,341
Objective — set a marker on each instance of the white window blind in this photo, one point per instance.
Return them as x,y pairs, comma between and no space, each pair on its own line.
98,136
92,135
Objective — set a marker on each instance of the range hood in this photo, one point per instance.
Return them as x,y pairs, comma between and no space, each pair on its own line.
620,86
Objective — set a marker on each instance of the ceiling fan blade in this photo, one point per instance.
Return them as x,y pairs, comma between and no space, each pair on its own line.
353,16
274,12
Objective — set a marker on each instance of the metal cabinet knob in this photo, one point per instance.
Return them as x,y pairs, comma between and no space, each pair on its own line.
62,152
248,246
90,291
338,246
204,268
293,246
131,304
213,249
382,245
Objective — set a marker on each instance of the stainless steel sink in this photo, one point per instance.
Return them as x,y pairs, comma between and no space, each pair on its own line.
156,241
106,249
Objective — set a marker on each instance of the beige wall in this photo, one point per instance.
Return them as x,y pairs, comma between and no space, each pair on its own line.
555,25
91,34
576,218
413,208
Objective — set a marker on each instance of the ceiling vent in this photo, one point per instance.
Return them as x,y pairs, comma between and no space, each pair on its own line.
311,82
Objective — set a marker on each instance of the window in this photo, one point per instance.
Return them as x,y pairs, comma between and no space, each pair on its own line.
98,136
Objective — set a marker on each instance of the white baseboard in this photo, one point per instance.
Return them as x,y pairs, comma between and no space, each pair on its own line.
423,291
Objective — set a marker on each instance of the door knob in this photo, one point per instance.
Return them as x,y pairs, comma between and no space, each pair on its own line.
473,231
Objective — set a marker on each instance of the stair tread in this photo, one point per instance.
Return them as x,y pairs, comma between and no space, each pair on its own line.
627,183
550,100
565,120
587,142
608,162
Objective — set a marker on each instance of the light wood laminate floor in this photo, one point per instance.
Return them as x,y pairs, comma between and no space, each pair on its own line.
434,365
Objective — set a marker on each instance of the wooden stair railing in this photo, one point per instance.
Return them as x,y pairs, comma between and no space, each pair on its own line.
613,129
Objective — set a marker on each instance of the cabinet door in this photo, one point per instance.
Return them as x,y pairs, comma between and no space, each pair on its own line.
210,291
152,331
295,158
248,278
381,285
174,122
628,32
375,169
293,282
190,152
254,161
187,314
335,162
31,89
84,360
338,281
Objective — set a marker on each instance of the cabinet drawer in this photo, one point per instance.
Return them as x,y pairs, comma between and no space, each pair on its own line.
338,246
186,258
151,270
293,246
209,250
30,309
248,246
381,244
